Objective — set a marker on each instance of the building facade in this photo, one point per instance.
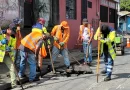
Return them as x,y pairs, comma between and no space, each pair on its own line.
94,10
55,11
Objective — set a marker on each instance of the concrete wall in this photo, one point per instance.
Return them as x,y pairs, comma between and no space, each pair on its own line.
9,9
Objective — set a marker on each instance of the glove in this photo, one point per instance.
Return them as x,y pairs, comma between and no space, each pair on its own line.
105,40
17,21
55,38
8,49
4,41
2,32
61,43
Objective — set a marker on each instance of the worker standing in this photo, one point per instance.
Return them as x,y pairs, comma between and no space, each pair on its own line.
28,48
39,27
61,34
106,35
18,36
29,45
7,44
85,36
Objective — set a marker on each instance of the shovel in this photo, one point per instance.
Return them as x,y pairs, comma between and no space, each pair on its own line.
52,62
80,67
16,73
87,52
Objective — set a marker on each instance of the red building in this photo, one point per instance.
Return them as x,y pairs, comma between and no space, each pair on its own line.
74,11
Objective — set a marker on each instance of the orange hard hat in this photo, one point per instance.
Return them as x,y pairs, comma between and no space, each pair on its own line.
41,20
64,24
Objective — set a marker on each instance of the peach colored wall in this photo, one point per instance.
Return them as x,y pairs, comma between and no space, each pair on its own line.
74,24
91,14
92,11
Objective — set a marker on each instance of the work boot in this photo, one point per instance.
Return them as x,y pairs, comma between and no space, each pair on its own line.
68,70
23,76
36,79
107,78
85,63
89,64
103,72
49,68
13,85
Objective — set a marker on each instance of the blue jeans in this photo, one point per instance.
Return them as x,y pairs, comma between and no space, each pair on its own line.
85,48
18,59
64,53
108,64
30,57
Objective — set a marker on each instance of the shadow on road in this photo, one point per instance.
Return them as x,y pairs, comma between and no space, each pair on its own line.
122,75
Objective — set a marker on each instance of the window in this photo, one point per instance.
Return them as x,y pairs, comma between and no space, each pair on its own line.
71,9
103,13
83,9
111,15
89,4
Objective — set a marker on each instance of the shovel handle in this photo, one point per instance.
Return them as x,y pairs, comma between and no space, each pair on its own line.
98,60
74,58
51,61
16,73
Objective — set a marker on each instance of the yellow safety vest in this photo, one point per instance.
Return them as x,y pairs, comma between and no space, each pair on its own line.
39,30
11,43
111,36
44,30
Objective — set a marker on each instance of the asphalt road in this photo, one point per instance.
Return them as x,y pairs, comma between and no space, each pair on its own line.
120,78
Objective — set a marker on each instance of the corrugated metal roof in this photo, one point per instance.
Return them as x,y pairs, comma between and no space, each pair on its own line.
123,13
116,0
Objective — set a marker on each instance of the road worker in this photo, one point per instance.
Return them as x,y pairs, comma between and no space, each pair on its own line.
106,35
85,36
17,23
29,46
39,27
61,34
7,55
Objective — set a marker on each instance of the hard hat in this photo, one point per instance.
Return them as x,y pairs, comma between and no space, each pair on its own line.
41,20
64,24
85,21
105,29
17,21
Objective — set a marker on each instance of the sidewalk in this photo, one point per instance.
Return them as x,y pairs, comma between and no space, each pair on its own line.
5,81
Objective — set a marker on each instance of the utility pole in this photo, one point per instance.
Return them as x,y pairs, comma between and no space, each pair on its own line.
118,9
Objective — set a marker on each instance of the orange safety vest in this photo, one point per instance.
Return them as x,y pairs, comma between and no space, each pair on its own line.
82,30
57,32
31,40
18,39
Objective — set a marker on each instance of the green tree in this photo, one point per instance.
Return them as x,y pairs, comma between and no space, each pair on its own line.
125,5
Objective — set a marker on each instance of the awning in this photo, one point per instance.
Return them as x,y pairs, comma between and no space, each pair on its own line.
123,13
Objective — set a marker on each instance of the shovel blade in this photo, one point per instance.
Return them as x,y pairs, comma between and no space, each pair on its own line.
82,68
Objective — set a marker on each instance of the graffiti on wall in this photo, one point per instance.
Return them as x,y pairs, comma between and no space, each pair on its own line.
8,10
43,10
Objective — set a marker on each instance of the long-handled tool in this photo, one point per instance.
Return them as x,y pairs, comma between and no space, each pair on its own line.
80,67
98,60
52,62
16,73
39,60
87,52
